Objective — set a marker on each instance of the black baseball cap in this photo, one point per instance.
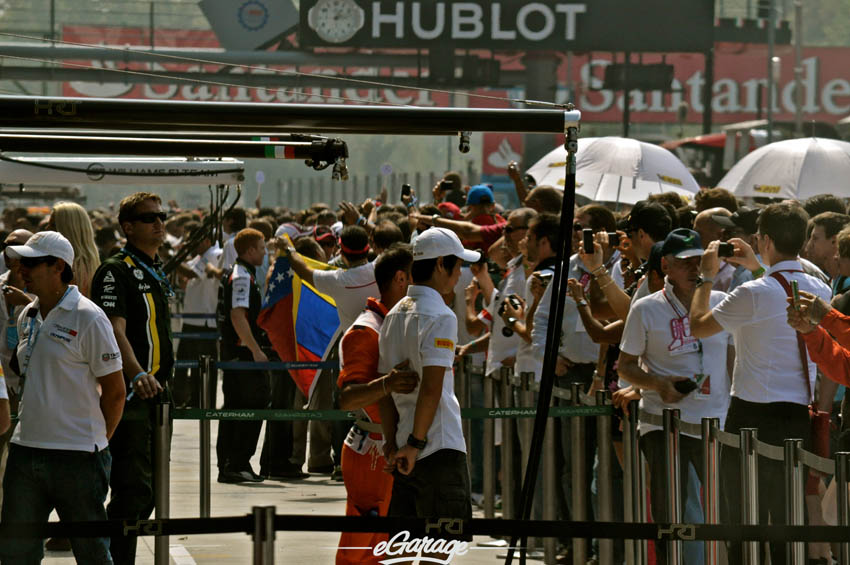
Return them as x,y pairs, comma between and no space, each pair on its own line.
682,243
745,218
653,263
649,216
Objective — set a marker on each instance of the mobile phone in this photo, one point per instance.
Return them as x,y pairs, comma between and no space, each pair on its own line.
545,278
405,189
725,249
685,387
613,239
795,292
587,240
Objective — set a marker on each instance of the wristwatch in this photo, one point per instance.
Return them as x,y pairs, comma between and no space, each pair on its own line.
582,303
417,443
701,280
511,321
434,219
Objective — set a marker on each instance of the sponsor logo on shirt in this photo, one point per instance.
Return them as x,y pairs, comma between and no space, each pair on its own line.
444,343
57,335
65,330
109,287
108,297
109,278
144,287
110,356
138,274
109,304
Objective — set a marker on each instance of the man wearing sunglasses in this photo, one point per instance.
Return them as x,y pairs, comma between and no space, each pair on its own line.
73,394
133,291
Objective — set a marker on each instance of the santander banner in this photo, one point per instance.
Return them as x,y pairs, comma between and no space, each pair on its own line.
740,70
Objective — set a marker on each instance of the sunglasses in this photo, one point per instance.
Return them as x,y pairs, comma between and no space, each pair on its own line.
150,217
509,229
33,262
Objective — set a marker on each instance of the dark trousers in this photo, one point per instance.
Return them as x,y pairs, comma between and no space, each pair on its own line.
652,445
39,480
187,386
132,474
237,441
775,422
277,446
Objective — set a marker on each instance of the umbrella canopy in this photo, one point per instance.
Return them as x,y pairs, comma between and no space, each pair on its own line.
617,169
794,168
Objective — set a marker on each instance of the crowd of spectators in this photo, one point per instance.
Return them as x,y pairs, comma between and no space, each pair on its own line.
675,303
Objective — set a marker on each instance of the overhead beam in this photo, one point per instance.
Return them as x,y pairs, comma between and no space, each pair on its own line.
270,79
169,115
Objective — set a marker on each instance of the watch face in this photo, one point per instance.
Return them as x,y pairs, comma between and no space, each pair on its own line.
336,21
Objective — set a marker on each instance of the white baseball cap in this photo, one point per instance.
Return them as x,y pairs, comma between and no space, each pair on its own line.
440,242
44,244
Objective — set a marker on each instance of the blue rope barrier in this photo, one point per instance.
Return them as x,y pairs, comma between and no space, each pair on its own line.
196,335
276,365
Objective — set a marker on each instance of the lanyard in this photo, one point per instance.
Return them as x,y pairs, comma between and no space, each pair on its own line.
157,274
681,316
33,339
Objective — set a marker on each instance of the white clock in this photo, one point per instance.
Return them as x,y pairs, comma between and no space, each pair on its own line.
336,21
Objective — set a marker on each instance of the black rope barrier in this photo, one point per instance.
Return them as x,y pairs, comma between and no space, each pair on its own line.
433,527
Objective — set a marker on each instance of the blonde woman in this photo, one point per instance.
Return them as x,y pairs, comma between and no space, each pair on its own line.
71,220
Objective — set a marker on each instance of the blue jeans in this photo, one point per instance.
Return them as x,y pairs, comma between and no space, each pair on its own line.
72,482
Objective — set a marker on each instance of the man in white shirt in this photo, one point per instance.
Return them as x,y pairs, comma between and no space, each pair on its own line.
431,476
770,386
657,351
72,400
201,298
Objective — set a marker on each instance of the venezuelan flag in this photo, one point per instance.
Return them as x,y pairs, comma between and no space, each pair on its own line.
300,321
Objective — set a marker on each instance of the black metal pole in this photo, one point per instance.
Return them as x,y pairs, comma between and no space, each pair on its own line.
707,91
563,251
170,115
106,145
627,99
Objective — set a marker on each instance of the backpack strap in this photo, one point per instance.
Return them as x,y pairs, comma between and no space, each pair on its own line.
801,345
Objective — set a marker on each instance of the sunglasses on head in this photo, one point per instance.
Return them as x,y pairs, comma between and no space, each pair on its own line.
509,229
33,262
150,217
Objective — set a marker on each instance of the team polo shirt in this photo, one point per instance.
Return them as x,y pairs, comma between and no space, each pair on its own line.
767,358
358,352
239,289
71,348
123,287
349,288
658,331
501,347
422,329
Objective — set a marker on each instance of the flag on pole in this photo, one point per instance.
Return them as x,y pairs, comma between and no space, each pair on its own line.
300,321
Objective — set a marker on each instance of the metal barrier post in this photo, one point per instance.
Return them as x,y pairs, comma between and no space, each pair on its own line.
636,480
263,534
603,477
507,446
462,388
795,494
674,480
711,462
550,485
526,397
162,449
842,477
749,491
628,504
207,366
579,480
489,454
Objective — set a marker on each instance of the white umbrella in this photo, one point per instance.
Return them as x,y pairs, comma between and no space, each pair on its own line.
617,169
794,168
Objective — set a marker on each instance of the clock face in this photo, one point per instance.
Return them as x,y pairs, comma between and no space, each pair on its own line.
336,21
